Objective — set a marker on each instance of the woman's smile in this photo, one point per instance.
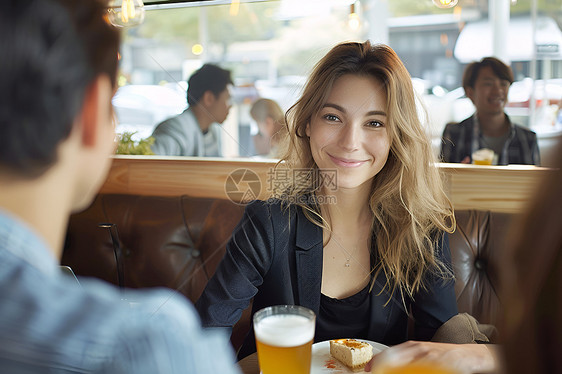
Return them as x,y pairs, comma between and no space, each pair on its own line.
347,163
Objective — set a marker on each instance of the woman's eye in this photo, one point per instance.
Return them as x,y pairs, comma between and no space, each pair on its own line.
375,124
331,117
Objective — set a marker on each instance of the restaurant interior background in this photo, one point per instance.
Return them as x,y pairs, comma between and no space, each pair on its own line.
271,46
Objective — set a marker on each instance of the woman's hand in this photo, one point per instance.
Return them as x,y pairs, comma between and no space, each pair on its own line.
464,358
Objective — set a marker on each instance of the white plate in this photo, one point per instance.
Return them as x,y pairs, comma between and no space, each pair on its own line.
322,362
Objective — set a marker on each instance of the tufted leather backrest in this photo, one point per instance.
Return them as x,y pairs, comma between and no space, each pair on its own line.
476,256
171,242
177,242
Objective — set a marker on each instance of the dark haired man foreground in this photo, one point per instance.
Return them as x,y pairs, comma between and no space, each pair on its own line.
57,76
196,131
486,83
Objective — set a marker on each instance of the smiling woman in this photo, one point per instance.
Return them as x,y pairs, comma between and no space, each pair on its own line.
365,127
375,250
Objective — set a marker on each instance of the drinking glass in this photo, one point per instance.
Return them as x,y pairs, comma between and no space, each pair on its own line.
284,335
483,156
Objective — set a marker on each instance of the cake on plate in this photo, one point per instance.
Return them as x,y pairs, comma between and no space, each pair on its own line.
352,353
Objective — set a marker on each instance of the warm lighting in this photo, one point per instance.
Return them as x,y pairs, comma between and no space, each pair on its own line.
197,49
353,19
126,13
445,3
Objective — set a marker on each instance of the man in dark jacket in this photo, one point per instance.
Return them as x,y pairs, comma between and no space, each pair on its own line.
487,84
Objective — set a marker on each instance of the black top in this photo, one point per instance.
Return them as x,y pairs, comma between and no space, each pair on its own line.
275,257
344,318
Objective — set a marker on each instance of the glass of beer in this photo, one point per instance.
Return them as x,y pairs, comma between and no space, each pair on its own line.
483,156
284,335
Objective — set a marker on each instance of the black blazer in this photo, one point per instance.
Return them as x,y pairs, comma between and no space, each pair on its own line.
275,257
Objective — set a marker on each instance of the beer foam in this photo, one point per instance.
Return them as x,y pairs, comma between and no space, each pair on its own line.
483,154
285,330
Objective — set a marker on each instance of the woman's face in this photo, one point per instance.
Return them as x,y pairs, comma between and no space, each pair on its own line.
349,133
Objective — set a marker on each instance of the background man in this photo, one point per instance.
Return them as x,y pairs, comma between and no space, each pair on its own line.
487,84
57,76
196,131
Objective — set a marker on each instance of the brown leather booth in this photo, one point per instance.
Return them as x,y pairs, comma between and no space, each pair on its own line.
476,250
177,242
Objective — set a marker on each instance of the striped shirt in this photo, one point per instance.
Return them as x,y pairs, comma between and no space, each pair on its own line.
50,324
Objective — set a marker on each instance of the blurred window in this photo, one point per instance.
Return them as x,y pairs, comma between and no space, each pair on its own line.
271,46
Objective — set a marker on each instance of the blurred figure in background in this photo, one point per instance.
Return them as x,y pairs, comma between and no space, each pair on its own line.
196,131
486,83
271,124
57,76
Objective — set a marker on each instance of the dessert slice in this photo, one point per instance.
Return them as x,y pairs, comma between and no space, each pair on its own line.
352,353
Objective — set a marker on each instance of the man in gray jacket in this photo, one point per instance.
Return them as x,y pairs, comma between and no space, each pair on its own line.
196,131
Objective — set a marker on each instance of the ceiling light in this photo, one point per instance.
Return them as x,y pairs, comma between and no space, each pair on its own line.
444,4
126,13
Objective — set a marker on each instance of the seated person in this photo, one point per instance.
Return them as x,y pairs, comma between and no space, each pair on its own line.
57,77
271,124
356,234
486,83
197,131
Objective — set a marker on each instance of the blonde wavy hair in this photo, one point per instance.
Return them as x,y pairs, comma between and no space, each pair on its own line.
407,200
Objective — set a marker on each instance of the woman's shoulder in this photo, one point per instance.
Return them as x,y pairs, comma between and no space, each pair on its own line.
268,204
275,209
272,206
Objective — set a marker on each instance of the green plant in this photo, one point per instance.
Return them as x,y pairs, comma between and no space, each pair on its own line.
128,146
